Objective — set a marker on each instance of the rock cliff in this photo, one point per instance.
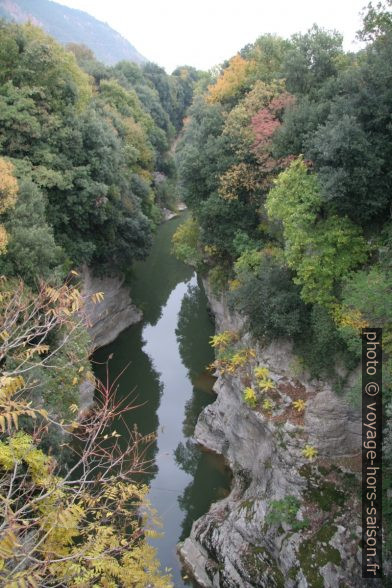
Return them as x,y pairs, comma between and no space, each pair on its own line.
108,318
313,539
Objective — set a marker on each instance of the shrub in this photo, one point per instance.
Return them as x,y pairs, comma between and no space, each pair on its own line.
270,301
285,511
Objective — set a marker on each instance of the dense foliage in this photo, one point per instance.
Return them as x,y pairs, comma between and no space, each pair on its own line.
76,525
85,170
285,164
90,150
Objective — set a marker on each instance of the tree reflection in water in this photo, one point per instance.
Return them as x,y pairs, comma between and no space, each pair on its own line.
196,355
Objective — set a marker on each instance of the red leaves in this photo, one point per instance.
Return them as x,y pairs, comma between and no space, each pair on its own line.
267,121
264,125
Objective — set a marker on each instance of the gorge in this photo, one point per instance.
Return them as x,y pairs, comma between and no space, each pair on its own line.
187,264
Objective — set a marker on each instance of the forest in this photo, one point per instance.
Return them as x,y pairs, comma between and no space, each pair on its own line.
85,168
285,164
284,161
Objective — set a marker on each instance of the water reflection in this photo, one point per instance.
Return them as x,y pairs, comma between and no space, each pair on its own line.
168,355
136,368
211,482
153,280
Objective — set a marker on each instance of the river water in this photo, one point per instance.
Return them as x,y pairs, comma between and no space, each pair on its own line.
167,355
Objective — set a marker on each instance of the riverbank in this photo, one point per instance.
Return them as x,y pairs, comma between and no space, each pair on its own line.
235,544
167,354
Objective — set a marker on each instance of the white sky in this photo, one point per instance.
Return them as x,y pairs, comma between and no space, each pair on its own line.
204,33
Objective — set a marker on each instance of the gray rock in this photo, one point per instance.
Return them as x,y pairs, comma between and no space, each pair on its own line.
86,396
232,545
168,214
107,319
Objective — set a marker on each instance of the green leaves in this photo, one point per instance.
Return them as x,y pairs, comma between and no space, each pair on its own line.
286,511
320,250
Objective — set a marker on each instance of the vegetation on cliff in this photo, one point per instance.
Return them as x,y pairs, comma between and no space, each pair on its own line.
285,164
85,168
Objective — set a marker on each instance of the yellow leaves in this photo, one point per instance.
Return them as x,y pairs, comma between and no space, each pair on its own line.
97,297
309,452
66,300
250,397
186,246
8,544
70,517
239,178
8,186
231,362
211,250
234,285
349,317
38,349
7,420
222,340
299,405
4,335
3,239
232,80
261,373
11,410
267,385
267,405
18,449
90,377
29,578
238,360
100,540
152,534
10,385
52,293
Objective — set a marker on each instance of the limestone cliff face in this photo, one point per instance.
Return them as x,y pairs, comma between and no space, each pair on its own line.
108,318
233,545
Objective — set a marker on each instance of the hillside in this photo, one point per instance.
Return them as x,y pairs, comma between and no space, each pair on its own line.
68,25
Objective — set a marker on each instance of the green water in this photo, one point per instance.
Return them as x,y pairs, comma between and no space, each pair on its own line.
167,355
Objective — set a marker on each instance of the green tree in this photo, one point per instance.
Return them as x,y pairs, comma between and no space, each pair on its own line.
320,250
269,300
312,58
31,246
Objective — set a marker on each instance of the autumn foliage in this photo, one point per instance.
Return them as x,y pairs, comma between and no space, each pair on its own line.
232,82
84,525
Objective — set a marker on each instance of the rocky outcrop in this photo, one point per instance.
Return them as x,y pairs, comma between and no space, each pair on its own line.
108,318
316,544
168,214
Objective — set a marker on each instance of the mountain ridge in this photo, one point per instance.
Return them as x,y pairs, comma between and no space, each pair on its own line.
70,25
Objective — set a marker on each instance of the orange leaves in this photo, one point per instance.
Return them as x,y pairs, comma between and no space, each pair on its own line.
232,81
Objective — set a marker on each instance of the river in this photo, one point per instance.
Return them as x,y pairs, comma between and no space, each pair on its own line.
167,355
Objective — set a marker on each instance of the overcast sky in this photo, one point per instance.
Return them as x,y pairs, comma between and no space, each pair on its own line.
203,33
